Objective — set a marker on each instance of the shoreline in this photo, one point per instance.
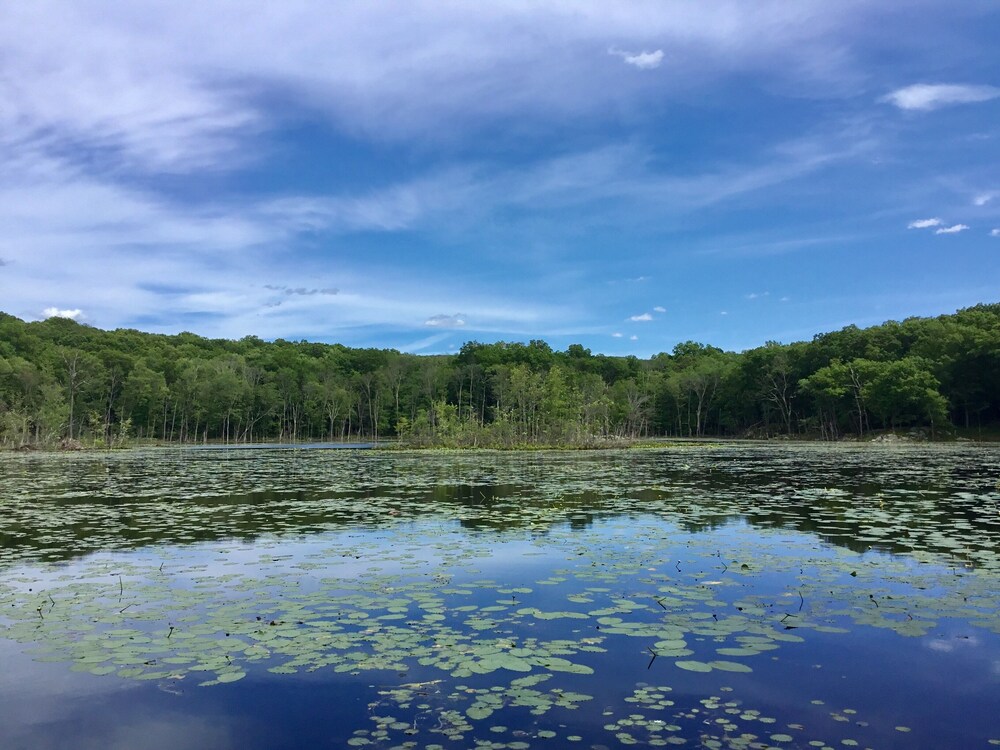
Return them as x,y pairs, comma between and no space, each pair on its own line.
649,443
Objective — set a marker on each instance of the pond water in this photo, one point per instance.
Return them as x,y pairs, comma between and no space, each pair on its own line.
733,596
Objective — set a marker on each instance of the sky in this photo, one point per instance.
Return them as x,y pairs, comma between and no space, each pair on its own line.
415,175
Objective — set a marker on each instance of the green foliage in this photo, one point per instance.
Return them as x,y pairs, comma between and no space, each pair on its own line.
60,380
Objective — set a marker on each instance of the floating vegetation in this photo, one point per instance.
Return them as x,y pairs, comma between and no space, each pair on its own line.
488,599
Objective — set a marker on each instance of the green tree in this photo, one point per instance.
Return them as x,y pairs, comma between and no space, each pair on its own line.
902,392
81,374
144,395
837,390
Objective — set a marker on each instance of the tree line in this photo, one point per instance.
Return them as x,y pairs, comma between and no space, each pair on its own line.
64,382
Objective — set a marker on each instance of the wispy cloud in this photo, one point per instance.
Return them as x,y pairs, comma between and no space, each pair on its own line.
926,96
641,317
758,295
395,207
995,233
764,244
55,312
983,198
616,335
424,343
659,309
623,179
130,258
633,337
302,291
953,229
642,60
179,92
446,321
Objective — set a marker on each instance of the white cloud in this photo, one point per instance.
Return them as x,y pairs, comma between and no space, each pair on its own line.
446,321
55,312
723,313
950,644
659,309
983,198
642,60
924,223
954,229
940,644
925,97
642,317
633,337
784,299
646,60
758,295
616,335
995,233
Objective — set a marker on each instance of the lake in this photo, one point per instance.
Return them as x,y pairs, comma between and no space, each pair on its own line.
729,596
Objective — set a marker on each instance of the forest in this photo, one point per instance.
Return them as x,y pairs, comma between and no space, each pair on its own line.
67,384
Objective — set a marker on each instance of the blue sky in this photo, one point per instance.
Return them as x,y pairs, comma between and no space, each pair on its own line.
416,175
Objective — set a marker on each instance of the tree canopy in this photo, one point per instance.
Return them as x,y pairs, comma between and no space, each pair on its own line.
60,380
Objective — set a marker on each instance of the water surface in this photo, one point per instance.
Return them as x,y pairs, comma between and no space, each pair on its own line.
739,596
